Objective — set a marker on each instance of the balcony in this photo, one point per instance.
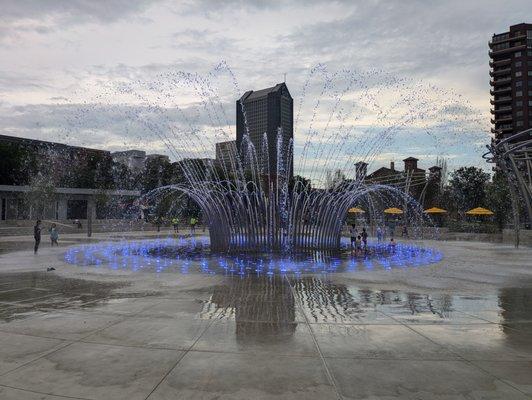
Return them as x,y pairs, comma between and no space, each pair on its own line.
508,39
501,81
501,119
501,100
507,50
500,72
500,62
500,110
501,90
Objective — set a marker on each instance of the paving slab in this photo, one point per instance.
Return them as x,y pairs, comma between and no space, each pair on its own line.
267,338
16,350
224,376
377,341
95,371
417,379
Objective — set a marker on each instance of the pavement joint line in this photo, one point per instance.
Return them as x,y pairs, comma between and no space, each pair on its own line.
46,394
465,360
328,372
69,343
38,358
179,359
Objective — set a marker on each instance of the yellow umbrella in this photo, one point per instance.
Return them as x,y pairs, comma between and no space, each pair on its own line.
479,211
356,210
393,210
435,210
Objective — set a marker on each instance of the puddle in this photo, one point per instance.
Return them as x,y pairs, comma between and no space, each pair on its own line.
316,300
22,294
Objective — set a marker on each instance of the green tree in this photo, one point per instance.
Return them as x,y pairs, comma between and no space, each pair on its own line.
468,187
498,199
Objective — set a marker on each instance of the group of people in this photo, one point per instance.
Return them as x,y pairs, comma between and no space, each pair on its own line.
193,222
37,229
359,240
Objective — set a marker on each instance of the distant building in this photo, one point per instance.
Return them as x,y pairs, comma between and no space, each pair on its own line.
264,112
158,157
361,169
197,169
40,179
384,174
511,80
226,154
134,160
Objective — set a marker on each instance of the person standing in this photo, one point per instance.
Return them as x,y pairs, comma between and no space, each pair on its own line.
379,234
54,235
193,222
364,235
37,235
353,235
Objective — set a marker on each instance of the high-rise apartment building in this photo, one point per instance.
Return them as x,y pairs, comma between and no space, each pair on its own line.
264,112
511,80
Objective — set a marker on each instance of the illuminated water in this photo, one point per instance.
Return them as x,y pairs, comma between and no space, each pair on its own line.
194,256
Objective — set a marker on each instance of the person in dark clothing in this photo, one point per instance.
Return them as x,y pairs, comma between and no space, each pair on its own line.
364,238
37,235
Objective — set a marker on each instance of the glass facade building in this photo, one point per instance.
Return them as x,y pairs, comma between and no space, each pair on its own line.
262,114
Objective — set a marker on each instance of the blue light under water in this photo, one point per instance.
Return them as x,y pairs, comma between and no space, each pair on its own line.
193,256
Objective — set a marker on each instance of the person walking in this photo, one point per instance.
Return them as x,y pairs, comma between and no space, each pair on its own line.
37,235
54,235
193,222
175,223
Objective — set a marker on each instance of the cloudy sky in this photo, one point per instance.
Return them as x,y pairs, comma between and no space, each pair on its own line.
58,54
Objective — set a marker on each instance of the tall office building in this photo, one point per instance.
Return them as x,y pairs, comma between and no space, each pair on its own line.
511,80
264,112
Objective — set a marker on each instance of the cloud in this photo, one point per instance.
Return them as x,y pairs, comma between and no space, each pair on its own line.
22,17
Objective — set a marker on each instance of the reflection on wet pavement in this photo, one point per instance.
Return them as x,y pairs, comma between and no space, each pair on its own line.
22,294
326,334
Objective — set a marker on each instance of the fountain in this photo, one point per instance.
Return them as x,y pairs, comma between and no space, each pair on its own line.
254,204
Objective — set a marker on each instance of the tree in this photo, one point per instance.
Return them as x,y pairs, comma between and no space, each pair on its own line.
498,199
468,187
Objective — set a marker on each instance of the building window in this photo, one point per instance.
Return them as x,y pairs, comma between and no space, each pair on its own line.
519,103
529,73
530,103
519,123
518,64
519,94
518,83
530,92
518,54
518,74
519,113
529,53
529,34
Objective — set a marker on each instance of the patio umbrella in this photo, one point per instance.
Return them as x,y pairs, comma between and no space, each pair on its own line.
393,210
479,211
435,210
356,210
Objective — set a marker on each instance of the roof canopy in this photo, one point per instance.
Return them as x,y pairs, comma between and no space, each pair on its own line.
435,210
356,210
479,211
393,210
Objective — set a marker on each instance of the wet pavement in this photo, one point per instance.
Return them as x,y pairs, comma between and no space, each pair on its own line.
263,337
93,334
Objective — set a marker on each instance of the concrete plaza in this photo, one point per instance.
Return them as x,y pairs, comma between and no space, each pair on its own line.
459,329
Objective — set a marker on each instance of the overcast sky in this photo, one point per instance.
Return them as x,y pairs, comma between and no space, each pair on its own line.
57,52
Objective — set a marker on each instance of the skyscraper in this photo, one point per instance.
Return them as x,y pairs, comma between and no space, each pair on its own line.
511,80
264,112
